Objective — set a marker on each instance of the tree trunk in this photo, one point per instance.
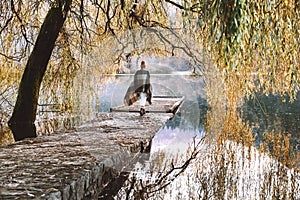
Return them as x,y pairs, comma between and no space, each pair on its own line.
24,114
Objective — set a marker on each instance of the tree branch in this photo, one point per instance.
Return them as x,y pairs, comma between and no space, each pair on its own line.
6,24
193,8
175,4
23,29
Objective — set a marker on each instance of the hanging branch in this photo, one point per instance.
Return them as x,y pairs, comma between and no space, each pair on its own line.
6,24
23,28
176,4
194,8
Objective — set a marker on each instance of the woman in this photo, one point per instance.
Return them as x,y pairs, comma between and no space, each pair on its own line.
140,89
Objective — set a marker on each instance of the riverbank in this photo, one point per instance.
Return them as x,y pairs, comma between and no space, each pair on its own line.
80,163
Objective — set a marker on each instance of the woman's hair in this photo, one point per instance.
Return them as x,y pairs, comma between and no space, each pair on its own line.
143,64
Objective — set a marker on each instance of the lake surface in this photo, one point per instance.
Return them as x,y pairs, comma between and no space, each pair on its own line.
226,172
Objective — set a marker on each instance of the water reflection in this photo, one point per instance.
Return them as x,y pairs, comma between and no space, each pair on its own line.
273,113
231,168
230,171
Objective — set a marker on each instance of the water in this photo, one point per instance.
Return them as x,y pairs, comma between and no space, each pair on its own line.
267,113
227,171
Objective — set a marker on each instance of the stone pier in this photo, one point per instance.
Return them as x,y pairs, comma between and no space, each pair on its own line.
80,163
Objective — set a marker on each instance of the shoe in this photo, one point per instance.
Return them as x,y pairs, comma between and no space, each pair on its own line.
142,111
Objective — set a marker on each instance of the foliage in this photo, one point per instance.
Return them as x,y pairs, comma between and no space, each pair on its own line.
255,45
278,145
89,24
240,46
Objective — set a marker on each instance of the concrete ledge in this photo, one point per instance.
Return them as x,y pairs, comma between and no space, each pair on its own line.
78,164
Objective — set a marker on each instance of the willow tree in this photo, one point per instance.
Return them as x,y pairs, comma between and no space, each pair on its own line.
244,38
69,29
253,47
240,37
24,114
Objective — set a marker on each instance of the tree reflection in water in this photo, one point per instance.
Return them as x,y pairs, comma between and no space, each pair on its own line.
233,165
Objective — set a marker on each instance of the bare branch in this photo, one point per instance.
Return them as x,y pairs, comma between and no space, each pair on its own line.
23,27
194,8
6,24
175,4
181,169
144,191
14,58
